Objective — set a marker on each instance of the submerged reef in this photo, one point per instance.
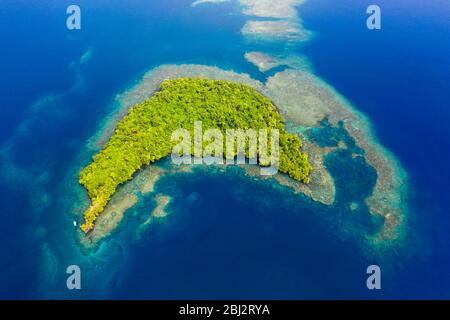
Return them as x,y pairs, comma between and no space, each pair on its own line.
269,20
306,100
263,61
266,62
274,30
280,9
200,2
328,125
273,21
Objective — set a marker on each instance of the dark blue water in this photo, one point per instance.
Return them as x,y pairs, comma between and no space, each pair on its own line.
239,238
248,246
399,76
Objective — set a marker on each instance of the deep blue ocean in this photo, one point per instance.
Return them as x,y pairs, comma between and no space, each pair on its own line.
227,236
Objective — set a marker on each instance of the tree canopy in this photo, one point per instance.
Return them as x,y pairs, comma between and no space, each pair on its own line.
144,135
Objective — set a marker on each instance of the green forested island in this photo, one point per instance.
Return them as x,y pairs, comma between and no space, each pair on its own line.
144,135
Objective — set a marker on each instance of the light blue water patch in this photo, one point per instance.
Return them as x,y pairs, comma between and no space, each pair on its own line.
328,136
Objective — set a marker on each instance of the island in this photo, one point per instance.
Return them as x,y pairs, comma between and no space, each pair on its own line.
355,178
144,135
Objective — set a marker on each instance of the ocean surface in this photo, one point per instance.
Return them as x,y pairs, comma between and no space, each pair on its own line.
226,236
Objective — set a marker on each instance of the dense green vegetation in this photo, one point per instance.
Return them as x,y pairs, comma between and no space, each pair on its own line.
144,135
